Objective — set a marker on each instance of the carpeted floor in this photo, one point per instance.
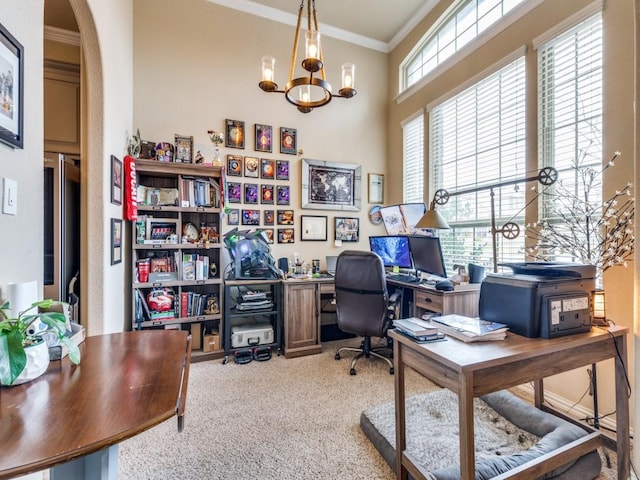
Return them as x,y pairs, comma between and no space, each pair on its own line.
281,419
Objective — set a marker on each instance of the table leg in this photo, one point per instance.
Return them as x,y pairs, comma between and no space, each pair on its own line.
100,465
622,410
465,417
401,432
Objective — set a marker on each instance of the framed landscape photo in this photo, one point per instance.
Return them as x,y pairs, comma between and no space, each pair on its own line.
313,228
288,140
263,138
331,185
347,229
12,95
282,169
116,241
184,149
234,165
234,133
250,217
116,181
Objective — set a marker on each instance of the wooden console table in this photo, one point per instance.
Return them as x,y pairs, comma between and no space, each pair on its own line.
73,417
474,369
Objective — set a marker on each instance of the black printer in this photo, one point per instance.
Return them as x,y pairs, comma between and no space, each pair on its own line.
540,299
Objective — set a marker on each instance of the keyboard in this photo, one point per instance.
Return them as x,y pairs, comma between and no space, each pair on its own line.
402,277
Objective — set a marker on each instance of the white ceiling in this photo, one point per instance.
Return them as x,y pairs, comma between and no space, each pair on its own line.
377,24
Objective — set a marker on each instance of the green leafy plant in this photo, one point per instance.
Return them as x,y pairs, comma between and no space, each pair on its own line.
15,336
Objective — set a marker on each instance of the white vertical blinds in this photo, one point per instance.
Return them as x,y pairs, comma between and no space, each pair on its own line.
570,107
413,159
477,138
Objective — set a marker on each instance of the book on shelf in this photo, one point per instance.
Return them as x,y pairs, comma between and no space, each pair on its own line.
470,329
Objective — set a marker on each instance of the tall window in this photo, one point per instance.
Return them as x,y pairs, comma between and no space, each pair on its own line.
413,159
465,22
477,139
570,112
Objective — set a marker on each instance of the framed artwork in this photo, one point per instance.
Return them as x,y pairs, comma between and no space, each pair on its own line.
234,165
250,217
285,217
116,241
282,169
347,229
331,185
283,195
184,149
11,90
267,168
288,140
263,135
250,193
313,228
269,217
251,167
268,232
286,235
376,188
233,217
234,136
116,181
266,194
235,192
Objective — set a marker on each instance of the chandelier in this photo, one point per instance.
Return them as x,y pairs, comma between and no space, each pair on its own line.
311,91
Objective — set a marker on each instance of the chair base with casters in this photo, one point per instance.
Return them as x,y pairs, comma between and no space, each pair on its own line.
366,351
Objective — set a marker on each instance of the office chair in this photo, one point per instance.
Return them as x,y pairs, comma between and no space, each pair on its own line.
362,302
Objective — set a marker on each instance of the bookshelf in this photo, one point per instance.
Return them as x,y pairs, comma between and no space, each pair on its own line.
176,279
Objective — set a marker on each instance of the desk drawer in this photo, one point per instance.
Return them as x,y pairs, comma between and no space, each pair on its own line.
429,301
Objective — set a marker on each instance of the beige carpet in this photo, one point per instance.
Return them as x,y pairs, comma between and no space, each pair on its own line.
281,419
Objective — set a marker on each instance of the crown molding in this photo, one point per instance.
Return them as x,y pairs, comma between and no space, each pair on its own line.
60,35
412,23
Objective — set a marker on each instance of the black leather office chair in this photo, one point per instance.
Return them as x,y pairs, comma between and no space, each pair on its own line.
362,302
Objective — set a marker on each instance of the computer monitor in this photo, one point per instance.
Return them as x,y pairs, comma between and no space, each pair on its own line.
427,255
393,249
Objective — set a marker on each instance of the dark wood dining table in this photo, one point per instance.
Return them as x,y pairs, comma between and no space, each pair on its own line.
72,418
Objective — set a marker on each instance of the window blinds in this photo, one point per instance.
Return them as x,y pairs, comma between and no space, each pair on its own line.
413,159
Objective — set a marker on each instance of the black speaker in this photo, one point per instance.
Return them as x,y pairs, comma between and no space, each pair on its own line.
283,264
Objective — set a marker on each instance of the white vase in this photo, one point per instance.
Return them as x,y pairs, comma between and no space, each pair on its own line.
37,363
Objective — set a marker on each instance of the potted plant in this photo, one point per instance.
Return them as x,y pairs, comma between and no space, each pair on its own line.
17,338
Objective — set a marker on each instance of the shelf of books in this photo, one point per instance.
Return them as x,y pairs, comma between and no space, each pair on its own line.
176,253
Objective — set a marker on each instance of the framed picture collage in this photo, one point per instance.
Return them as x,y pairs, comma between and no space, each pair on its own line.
254,182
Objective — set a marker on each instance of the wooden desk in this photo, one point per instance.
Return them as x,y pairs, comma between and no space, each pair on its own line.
126,383
474,369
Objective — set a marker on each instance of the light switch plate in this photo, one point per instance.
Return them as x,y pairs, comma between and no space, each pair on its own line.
10,197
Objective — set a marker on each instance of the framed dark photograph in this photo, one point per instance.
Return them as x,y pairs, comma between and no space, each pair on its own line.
251,167
348,229
313,228
282,169
11,90
234,165
116,241
268,232
233,217
235,192
266,194
116,181
331,185
283,197
286,235
285,217
234,136
288,140
267,168
251,193
264,138
250,217
269,217
183,149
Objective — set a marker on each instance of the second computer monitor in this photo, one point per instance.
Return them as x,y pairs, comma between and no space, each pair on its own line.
393,249
427,255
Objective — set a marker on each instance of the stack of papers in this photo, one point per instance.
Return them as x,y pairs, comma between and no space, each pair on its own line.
470,329
418,330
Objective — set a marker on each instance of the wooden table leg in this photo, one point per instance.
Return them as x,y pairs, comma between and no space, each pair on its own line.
401,432
622,410
465,417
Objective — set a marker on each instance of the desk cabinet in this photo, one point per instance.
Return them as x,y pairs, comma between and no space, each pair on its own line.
302,319
462,302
